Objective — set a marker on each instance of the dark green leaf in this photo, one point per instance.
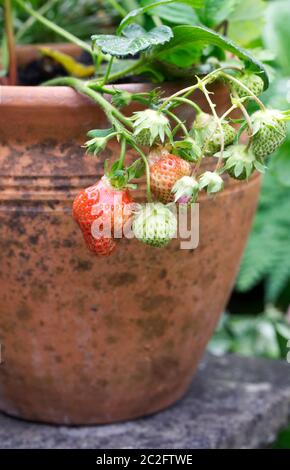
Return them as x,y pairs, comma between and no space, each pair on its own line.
134,40
191,36
130,18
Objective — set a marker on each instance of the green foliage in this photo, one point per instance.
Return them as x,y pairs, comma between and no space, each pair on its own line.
175,13
267,256
277,33
188,37
265,335
132,15
246,22
216,11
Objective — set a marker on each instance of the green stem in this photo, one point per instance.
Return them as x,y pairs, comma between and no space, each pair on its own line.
186,90
156,20
108,71
81,87
189,102
122,73
147,169
100,88
31,20
122,154
218,123
190,89
12,77
122,12
57,29
229,111
179,122
247,118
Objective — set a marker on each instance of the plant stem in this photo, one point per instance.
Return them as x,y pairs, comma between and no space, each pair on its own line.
156,20
12,75
218,122
108,71
31,20
100,88
83,88
247,118
229,111
179,122
190,89
121,73
122,154
57,29
147,169
122,12
189,102
251,94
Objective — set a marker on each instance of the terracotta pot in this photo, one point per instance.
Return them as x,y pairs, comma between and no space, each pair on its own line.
97,340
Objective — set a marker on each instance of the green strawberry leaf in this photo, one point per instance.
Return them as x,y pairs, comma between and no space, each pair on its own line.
130,18
194,36
136,170
134,40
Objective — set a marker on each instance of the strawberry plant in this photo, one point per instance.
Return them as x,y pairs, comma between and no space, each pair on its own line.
167,150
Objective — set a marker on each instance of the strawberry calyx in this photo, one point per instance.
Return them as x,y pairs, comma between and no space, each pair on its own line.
150,126
185,190
211,181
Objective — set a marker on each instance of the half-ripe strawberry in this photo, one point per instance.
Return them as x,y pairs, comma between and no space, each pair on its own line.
163,175
101,212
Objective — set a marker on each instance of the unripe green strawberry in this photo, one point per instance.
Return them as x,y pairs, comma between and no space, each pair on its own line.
269,129
252,81
155,225
214,144
143,137
208,134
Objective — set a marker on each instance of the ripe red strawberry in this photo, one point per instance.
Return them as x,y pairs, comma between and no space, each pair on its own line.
99,210
164,173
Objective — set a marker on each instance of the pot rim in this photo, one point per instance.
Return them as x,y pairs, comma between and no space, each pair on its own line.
29,97
19,96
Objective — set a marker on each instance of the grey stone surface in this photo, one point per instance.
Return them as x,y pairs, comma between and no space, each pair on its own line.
233,402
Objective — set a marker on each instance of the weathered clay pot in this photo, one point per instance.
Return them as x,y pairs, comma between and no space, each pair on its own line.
87,339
